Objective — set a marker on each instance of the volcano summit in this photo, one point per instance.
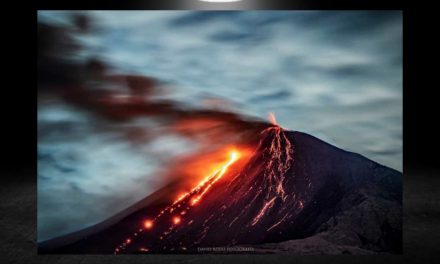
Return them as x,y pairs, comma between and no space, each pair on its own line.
293,193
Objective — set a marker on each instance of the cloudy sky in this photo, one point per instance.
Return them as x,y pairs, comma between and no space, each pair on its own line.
335,75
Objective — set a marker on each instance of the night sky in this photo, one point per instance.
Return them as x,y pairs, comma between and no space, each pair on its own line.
334,75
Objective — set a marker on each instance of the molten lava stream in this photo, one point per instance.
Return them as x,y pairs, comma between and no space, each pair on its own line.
278,161
184,203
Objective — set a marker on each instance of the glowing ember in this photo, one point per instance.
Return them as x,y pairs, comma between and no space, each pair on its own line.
176,220
148,224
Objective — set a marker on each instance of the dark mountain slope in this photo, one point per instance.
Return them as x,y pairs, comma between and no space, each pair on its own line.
315,197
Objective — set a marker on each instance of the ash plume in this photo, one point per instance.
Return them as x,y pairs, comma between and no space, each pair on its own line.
120,99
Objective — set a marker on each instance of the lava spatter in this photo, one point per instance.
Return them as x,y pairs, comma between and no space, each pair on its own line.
185,201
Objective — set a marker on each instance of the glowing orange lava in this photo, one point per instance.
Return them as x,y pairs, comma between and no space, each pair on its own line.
213,178
148,224
184,201
207,169
280,159
176,220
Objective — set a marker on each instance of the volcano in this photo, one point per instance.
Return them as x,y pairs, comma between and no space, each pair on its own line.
294,193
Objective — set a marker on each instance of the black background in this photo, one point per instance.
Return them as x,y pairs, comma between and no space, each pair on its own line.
18,100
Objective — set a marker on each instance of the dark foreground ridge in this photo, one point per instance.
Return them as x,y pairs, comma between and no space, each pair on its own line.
310,198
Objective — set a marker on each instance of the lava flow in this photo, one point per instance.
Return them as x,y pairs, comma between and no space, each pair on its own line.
259,192
251,200
280,159
185,201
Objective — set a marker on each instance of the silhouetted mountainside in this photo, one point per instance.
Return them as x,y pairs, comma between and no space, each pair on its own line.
297,194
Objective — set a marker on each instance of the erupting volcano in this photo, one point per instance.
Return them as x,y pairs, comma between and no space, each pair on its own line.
289,187
266,188
269,191
183,204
